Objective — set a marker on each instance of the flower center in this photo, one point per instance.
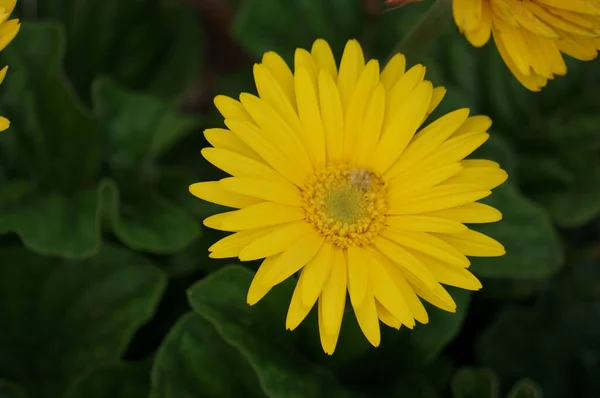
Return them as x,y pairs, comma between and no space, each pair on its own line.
346,204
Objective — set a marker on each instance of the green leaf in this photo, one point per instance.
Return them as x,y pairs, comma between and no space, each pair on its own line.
140,128
475,383
194,360
59,137
53,156
559,334
10,390
567,185
123,380
55,224
66,318
429,340
262,26
150,46
258,332
525,389
533,248
147,221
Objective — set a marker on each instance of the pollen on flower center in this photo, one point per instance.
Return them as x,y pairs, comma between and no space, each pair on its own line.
346,204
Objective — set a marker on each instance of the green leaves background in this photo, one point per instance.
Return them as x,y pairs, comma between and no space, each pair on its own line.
106,289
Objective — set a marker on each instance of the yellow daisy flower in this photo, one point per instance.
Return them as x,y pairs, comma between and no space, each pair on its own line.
8,31
532,34
330,179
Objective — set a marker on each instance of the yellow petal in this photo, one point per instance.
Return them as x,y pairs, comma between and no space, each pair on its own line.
331,304
480,177
298,309
425,224
405,122
332,115
240,166
470,213
398,255
428,140
212,191
323,56
234,243
428,244
351,67
368,320
310,116
393,71
294,258
262,189
436,198
476,244
386,317
358,274
388,294
467,13
333,297
357,104
225,139
277,240
370,129
255,216
231,109
8,31
282,74
258,289
3,73
4,123
448,274
316,273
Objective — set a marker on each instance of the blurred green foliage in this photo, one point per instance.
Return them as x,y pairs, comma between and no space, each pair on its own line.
106,289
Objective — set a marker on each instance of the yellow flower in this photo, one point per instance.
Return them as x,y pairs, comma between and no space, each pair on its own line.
532,34
8,31
330,178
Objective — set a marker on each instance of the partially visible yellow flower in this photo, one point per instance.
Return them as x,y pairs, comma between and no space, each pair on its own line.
8,31
332,179
532,34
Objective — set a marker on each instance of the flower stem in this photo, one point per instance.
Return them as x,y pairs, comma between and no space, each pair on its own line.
425,31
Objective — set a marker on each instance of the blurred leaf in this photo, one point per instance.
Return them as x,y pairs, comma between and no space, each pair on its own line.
59,137
143,44
567,185
559,333
392,26
475,383
140,127
194,360
123,380
429,340
258,332
10,390
533,248
262,26
525,389
53,158
510,289
415,387
56,224
148,222
69,317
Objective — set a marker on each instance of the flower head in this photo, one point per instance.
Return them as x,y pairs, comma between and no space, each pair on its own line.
330,179
8,31
532,34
